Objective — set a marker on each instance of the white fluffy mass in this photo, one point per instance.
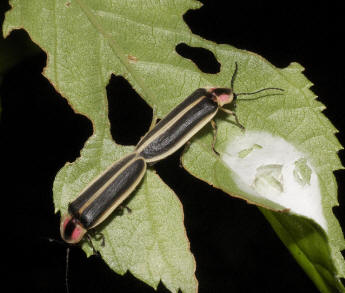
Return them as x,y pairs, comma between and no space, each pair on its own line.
272,168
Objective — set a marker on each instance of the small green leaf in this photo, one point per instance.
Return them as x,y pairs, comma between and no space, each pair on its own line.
242,154
269,179
302,171
308,243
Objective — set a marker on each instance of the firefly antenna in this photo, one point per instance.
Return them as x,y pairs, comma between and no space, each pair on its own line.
259,91
233,77
67,269
257,98
252,93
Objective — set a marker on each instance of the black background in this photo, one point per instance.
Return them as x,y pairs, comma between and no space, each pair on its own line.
235,248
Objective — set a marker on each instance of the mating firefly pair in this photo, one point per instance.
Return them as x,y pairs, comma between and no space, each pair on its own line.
103,195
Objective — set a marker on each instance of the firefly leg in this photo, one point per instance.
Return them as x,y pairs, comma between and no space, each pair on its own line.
89,240
66,270
236,118
100,236
215,129
188,143
121,208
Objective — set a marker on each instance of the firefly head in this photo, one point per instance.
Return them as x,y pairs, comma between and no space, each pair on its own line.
71,230
222,96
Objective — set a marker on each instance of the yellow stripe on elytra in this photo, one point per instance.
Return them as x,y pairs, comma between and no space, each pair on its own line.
121,198
180,143
99,191
169,124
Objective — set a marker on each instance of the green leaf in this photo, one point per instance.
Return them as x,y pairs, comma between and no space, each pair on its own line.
291,174
308,243
141,240
83,41
86,41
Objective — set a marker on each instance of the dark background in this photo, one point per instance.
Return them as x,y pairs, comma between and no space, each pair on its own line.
235,248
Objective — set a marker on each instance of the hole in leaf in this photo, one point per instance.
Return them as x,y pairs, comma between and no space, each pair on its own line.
129,115
203,58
